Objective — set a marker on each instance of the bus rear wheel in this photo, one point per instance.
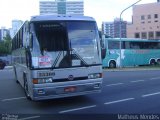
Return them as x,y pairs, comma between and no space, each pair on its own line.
112,64
158,61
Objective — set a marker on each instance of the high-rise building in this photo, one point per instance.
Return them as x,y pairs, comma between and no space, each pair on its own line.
112,29
61,7
16,24
146,21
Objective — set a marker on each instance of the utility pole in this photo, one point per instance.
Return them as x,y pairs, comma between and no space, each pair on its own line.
120,30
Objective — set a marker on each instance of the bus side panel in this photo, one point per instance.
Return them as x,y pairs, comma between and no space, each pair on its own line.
20,64
128,58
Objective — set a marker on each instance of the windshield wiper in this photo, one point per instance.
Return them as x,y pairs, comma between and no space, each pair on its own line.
78,56
56,60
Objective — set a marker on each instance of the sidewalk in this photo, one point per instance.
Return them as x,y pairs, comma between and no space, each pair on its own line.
132,68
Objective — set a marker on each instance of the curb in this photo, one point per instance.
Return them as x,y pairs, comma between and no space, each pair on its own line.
131,69
8,67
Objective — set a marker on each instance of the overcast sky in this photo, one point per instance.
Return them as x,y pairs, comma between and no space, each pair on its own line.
101,10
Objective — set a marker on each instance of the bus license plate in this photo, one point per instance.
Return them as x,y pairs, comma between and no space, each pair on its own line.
70,89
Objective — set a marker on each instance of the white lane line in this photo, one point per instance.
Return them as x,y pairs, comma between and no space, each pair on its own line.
135,81
28,118
147,95
114,84
117,101
10,99
81,108
156,78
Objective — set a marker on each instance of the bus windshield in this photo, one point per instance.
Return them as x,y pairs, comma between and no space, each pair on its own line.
65,44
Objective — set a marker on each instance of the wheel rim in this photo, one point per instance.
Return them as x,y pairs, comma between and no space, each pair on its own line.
152,62
112,65
26,88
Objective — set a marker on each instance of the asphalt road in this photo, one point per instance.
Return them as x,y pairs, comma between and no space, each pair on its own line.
125,95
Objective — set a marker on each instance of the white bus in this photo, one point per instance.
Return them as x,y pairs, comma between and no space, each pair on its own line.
57,56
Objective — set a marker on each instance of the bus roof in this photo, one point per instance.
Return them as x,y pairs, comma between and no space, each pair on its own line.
132,39
61,17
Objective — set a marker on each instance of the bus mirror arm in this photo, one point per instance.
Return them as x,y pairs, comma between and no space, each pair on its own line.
31,40
103,53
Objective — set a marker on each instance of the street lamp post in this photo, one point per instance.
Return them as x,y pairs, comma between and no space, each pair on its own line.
120,30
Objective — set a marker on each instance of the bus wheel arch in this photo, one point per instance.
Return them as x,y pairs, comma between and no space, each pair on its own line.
112,64
26,86
152,62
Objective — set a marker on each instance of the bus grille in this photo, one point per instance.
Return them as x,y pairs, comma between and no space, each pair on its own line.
66,79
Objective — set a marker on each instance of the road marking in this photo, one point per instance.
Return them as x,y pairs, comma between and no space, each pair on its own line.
147,95
156,78
117,101
10,99
135,81
27,118
114,84
81,108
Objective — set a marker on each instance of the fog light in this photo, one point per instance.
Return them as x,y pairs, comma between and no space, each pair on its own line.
41,91
97,85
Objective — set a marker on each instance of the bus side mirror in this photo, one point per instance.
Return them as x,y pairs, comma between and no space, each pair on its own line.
103,48
103,53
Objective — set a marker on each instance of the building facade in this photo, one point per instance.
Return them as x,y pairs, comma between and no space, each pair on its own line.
112,29
16,24
61,7
145,22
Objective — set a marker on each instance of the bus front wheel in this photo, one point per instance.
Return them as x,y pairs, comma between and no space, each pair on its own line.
26,88
152,62
112,64
15,73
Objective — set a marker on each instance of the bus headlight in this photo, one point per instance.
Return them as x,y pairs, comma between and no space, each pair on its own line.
42,80
95,75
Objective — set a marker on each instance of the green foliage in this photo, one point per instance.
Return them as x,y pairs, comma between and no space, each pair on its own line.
5,45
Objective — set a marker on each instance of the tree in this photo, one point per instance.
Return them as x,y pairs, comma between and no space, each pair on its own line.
5,45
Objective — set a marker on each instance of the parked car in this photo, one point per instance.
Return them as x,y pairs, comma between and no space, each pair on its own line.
2,64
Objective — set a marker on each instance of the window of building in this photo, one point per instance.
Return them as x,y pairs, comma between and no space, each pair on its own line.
137,35
142,17
144,35
157,34
156,21
149,16
151,35
142,22
149,21
155,15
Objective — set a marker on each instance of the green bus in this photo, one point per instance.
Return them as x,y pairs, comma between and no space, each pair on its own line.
134,52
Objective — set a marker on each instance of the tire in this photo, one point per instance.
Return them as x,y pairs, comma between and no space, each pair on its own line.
15,73
152,62
112,64
158,62
26,88
2,67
